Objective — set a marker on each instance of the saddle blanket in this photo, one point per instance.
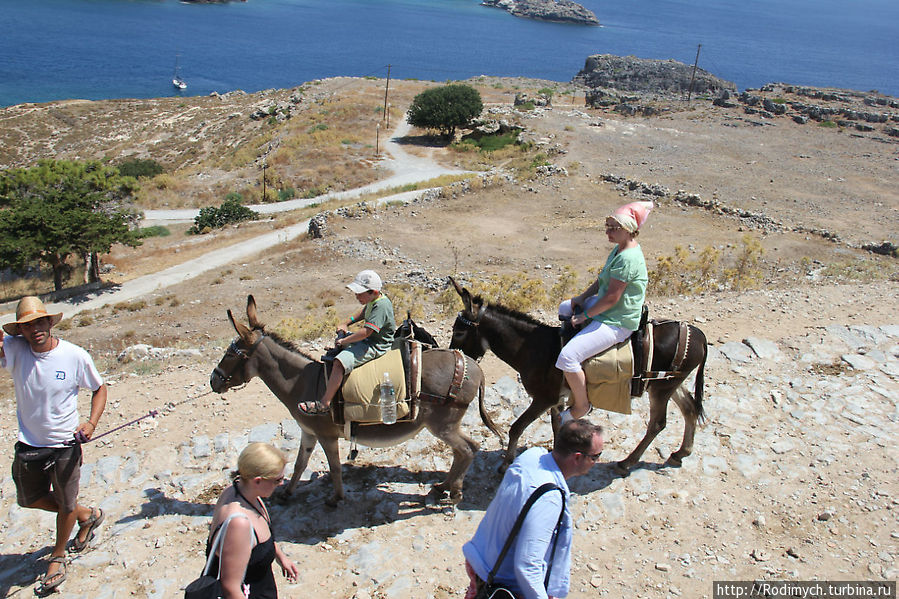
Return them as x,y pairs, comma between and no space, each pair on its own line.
609,378
362,389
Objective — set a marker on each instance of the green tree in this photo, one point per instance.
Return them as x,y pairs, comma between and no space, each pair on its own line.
445,108
60,208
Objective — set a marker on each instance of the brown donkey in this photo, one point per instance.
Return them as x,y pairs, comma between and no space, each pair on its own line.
531,348
294,377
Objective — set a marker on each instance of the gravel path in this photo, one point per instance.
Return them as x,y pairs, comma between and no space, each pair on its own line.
406,169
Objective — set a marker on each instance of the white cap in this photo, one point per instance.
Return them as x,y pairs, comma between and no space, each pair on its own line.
367,280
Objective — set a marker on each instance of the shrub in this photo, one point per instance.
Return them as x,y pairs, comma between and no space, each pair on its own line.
565,287
491,143
231,211
154,231
677,274
288,193
140,167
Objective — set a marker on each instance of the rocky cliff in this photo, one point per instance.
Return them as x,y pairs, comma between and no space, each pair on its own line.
559,11
663,77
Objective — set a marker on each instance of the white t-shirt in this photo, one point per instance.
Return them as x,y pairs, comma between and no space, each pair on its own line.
47,386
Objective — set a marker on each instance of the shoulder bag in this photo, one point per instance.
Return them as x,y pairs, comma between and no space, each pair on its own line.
210,587
491,590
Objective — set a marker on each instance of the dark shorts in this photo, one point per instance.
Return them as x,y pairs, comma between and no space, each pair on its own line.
35,480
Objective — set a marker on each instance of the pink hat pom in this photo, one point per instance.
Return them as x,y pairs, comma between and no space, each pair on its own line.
633,215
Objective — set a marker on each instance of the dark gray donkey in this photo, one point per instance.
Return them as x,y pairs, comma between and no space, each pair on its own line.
531,348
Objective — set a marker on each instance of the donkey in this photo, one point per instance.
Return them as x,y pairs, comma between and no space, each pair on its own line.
294,377
531,348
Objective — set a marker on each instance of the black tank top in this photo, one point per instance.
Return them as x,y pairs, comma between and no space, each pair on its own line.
259,569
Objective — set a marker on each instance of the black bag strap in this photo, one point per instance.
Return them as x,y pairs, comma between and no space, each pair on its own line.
544,488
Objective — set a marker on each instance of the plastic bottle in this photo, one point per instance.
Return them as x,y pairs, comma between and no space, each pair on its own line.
388,400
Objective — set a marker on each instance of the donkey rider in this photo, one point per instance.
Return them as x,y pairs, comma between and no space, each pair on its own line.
374,339
611,306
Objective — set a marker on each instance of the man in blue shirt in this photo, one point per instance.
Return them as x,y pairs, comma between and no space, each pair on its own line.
577,447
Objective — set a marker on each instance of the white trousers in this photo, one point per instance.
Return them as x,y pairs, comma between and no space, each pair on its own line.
591,340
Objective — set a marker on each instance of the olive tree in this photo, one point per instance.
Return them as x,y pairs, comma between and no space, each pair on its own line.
61,208
445,108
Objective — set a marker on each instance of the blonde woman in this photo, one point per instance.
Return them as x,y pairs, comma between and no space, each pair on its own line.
249,548
609,309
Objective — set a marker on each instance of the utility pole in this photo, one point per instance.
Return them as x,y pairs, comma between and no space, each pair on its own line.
693,76
264,166
386,88
377,138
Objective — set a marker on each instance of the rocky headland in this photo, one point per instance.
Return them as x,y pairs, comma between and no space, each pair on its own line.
664,78
557,11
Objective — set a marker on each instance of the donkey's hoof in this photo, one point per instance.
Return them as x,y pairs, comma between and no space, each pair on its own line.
441,495
674,461
621,469
333,501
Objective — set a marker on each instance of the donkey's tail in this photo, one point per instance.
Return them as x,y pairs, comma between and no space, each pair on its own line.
700,380
485,417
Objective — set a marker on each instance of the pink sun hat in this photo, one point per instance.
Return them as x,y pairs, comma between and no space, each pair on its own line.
632,216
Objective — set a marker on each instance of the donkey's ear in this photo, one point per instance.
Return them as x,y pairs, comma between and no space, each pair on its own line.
252,315
463,293
243,331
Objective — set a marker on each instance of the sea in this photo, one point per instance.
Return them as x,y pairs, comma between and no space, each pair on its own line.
98,49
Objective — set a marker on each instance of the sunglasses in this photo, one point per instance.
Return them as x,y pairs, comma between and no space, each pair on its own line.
592,456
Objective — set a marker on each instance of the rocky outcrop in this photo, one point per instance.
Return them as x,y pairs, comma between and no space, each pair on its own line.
659,77
558,11
840,109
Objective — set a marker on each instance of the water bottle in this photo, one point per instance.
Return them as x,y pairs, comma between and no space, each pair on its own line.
388,400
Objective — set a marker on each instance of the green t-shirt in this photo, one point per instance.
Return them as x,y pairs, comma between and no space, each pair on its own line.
379,318
629,267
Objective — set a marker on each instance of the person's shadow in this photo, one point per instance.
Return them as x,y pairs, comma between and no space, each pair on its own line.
21,570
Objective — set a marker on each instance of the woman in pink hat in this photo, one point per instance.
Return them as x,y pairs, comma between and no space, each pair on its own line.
609,309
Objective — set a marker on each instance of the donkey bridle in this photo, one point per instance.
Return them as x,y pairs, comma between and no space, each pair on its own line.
237,352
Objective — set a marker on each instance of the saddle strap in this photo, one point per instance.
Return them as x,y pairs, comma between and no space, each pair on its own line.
683,343
460,373
413,377
649,345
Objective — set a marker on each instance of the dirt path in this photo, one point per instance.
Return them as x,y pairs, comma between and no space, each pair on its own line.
406,169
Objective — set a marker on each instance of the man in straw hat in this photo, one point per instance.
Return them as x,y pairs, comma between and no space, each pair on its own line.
47,373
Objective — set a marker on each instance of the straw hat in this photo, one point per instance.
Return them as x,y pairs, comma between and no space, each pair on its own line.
30,308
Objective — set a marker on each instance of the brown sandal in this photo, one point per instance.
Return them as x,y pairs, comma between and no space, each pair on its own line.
314,408
91,524
48,582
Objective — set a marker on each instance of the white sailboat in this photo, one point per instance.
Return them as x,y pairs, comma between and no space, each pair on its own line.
177,81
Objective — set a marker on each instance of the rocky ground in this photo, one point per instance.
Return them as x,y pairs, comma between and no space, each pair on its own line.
793,476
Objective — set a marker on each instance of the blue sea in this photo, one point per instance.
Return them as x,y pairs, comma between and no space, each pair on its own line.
95,49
